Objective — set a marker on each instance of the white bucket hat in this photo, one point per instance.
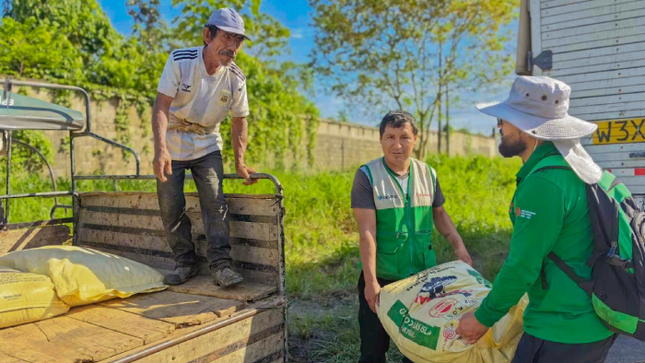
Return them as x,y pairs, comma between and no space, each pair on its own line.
539,107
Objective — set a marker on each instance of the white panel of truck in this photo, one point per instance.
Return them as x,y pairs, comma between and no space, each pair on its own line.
598,48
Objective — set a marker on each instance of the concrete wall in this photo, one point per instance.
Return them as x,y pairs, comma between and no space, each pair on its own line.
339,146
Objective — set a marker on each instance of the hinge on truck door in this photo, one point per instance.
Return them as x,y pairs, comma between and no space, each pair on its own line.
544,60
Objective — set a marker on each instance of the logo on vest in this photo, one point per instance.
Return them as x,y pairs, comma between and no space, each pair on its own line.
387,197
185,87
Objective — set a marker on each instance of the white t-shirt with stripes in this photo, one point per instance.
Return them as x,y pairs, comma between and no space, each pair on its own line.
200,98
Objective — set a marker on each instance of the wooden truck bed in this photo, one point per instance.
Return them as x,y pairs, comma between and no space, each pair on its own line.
194,322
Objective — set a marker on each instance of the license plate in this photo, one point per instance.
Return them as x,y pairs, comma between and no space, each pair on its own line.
620,131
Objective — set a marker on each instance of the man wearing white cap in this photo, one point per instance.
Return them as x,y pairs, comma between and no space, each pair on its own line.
549,213
199,87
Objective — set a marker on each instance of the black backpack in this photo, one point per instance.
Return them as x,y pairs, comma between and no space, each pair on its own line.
617,285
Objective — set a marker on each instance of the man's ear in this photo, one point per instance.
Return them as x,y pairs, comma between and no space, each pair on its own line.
207,36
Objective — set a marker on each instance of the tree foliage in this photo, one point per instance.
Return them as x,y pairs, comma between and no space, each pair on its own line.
403,53
20,56
73,42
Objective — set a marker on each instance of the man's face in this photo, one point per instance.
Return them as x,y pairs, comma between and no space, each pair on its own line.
224,46
513,140
398,144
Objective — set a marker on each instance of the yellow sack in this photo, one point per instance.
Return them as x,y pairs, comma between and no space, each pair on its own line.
84,276
421,315
26,297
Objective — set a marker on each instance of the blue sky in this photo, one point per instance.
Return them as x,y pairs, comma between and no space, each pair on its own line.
297,17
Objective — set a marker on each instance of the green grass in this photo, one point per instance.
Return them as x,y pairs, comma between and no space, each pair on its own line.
322,242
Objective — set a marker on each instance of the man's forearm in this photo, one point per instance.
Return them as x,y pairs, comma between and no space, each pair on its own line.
239,133
368,257
159,127
447,228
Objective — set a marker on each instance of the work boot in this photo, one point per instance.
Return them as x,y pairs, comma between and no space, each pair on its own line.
226,277
180,275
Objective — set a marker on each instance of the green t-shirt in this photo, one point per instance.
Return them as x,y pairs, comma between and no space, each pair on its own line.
549,213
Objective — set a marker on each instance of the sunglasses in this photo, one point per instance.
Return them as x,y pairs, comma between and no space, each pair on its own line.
500,122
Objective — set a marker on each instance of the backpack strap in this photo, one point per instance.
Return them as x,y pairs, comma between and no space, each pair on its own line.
584,284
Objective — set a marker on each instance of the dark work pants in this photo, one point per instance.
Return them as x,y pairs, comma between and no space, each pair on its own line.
535,350
207,172
374,339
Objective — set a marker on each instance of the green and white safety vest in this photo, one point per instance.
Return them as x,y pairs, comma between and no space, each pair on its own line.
403,222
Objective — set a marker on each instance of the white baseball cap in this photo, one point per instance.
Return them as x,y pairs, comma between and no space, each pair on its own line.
228,20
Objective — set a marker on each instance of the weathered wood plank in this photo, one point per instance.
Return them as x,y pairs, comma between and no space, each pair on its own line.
252,272
19,239
150,260
254,207
139,200
241,250
63,339
125,239
6,358
227,340
260,231
97,342
157,243
242,253
203,285
250,205
182,310
27,344
148,330
263,351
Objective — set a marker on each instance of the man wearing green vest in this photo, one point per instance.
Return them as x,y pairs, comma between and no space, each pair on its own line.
397,202
549,212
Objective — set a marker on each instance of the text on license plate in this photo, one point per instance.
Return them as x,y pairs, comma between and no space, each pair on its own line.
620,131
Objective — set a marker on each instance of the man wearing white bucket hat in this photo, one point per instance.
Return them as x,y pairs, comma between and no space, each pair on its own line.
549,213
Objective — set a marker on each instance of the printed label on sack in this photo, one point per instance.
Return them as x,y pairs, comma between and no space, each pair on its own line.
442,308
412,329
480,279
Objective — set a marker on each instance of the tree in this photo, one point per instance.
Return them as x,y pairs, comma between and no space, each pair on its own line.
22,57
403,53
83,22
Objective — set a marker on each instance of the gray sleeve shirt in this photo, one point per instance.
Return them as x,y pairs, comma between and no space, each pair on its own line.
363,195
